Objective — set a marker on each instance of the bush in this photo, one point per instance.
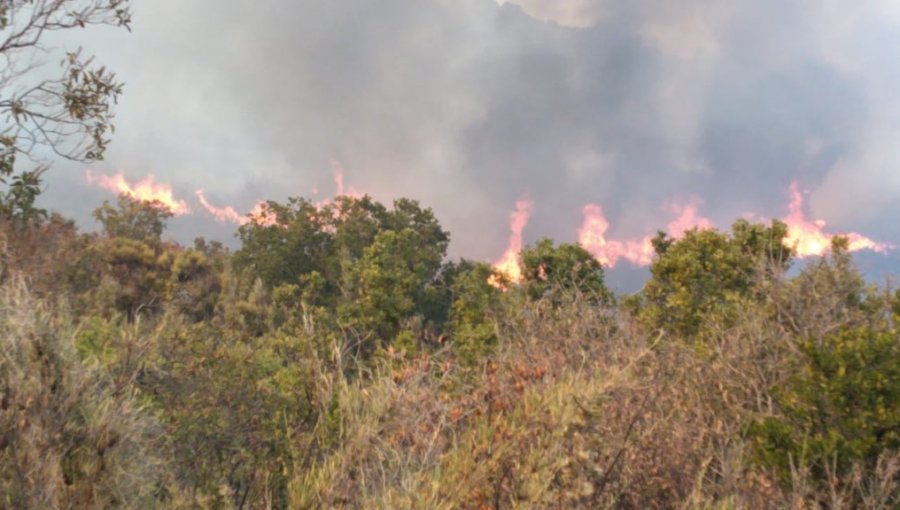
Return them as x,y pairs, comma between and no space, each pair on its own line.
841,406
71,437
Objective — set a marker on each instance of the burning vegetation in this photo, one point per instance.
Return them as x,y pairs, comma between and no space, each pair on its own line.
806,237
341,361
338,359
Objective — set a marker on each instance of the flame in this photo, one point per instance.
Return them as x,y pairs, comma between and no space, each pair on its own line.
338,178
688,218
339,190
145,190
222,214
262,215
592,235
259,214
508,264
808,238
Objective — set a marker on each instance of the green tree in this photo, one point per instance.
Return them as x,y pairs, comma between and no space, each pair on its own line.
475,312
704,275
134,270
17,202
310,243
841,405
133,219
388,284
553,271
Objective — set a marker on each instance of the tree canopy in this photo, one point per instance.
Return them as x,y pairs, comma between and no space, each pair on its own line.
68,114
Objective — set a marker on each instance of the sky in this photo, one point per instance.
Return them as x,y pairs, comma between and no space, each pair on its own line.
472,105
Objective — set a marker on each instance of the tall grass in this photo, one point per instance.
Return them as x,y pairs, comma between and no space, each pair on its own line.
70,437
578,408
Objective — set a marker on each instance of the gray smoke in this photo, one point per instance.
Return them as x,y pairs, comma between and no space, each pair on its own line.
468,105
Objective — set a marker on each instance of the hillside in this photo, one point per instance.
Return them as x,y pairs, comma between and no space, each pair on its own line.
338,360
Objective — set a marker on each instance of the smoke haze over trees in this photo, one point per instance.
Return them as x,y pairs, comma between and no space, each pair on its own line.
339,353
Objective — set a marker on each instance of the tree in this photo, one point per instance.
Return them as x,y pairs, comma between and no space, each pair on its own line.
550,271
475,311
133,219
840,405
296,244
705,274
69,115
133,258
307,238
388,284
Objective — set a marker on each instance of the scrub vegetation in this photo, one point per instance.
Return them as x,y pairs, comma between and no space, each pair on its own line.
338,360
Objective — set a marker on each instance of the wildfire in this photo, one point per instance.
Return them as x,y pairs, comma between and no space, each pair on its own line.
221,214
338,170
262,215
145,190
258,214
508,264
808,238
688,218
592,235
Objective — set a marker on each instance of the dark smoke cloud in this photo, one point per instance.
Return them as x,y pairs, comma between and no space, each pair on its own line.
468,105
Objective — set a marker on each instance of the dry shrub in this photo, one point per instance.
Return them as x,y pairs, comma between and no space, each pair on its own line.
71,438
579,408
431,433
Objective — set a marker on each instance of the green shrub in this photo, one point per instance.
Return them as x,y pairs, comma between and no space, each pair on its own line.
840,406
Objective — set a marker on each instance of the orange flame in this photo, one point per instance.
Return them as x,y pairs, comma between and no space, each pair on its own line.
808,238
592,235
222,214
258,214
688,218
145,191
262,215
508,264
339,190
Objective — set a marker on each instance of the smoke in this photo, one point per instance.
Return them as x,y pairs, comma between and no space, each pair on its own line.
469,104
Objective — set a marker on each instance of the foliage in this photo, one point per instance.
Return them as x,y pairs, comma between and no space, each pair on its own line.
706,274
17,202
133,219
73,437
69,115
387,284
840,406
336,360
550,271
476,309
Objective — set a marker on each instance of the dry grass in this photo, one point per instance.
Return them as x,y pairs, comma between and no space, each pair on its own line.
71,437
576,409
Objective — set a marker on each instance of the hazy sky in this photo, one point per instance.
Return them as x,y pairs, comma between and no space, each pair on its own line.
468,105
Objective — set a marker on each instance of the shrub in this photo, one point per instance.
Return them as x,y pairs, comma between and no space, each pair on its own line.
71,437
841,405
